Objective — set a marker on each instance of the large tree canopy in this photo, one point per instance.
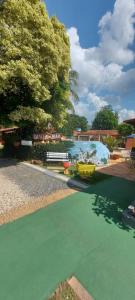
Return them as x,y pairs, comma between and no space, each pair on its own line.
34,62
106,118
72,123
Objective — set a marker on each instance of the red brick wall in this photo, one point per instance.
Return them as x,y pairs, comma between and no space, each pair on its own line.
130,143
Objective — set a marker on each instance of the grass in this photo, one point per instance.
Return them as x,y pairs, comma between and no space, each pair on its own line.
64,292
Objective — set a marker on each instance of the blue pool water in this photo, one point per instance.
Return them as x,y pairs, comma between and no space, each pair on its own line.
101,155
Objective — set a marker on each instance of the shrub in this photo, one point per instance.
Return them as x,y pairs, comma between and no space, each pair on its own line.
9,149
125,129
36,152
24,152
15,151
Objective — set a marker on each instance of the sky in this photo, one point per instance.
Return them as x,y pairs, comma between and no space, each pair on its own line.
102,38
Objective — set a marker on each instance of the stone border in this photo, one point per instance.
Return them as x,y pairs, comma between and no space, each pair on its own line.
72,182
34,205
63,286
79,290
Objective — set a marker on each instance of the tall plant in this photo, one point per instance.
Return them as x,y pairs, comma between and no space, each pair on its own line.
110,142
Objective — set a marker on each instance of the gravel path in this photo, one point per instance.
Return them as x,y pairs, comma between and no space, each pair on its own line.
20,184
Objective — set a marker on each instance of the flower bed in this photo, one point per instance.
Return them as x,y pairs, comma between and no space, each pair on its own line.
115,156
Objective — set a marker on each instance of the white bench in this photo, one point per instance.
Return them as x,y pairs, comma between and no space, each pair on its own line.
126,154
56,156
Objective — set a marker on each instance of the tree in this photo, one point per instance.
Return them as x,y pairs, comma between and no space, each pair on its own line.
105,119
125,129
72,123
34,64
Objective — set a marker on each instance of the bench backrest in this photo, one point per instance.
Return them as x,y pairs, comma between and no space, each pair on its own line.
125,153
57,156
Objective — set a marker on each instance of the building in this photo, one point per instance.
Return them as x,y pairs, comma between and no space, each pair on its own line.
6,131
95,135
130,143
47,137
131,122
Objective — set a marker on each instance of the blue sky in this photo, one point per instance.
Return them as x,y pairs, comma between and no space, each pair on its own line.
102,51
84,15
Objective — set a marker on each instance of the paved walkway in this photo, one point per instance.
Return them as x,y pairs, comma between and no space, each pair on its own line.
120,169
22,186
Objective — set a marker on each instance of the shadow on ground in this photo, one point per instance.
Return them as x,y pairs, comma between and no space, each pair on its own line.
5,162
110,197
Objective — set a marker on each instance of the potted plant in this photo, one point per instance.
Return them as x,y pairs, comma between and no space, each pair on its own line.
85,166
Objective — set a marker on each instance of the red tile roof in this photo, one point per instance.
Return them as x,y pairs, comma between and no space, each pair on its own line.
8,129
130,121
97,132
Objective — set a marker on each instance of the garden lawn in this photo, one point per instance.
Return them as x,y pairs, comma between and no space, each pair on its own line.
81,235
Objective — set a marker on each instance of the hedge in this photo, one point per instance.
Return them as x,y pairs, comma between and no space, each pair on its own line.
38,151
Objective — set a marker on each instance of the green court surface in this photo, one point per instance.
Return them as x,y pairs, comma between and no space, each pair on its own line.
81,235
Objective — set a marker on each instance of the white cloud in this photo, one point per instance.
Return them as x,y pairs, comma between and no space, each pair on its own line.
95,73
84,109
125,83
117,33
93,104
97,101
102,68
125,114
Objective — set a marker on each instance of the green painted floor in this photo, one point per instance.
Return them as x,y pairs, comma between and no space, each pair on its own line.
81,235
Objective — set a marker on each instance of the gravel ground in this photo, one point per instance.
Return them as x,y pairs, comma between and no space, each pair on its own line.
20,184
